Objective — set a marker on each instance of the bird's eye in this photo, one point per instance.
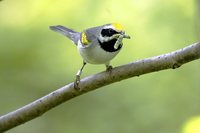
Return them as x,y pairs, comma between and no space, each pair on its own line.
108,32
111,31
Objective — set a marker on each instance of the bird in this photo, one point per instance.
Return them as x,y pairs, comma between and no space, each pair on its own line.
96,45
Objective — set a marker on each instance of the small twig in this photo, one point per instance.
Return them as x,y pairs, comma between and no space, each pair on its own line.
166,61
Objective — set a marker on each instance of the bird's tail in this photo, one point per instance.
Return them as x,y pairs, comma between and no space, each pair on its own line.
71,34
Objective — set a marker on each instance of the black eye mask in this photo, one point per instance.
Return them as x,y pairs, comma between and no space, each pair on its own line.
108,32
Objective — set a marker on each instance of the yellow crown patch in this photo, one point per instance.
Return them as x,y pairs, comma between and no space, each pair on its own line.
84,38
118,26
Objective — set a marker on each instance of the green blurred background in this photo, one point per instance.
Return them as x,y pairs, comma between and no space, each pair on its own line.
35,61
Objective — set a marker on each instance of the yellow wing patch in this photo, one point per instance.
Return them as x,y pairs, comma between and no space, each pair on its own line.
84,39
118,26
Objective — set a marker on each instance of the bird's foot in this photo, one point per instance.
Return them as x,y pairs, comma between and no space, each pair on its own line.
76,82
109,68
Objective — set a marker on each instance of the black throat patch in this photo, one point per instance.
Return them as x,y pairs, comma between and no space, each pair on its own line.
109,46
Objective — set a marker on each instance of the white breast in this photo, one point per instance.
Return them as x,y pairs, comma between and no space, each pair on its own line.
94,54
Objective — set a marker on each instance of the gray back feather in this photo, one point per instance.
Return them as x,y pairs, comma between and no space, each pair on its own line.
71,34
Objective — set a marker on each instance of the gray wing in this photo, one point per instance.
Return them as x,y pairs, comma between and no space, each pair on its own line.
71,34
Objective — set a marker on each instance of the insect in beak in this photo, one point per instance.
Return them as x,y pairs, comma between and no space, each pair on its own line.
120,38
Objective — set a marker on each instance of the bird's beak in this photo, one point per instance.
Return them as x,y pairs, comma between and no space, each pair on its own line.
125,36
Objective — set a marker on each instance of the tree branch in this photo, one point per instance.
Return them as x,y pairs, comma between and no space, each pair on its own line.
166,61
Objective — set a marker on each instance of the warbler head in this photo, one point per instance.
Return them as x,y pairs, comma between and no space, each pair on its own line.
108,35
112,31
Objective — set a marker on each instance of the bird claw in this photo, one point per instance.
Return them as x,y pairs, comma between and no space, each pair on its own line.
109,68
76,82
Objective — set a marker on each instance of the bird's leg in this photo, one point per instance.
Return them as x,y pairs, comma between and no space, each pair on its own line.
78,75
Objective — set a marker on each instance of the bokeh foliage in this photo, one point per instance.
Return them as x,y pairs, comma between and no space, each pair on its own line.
35,61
